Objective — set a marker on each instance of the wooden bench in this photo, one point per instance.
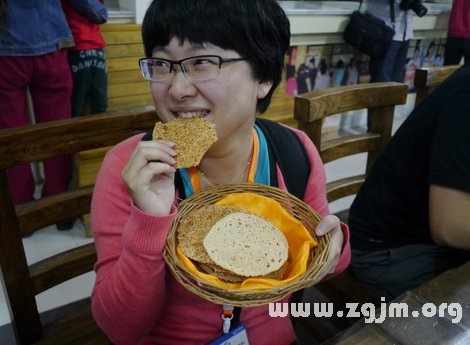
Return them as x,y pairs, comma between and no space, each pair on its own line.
310,111
23,281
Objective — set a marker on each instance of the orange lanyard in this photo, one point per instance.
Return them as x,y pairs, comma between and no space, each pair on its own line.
194,176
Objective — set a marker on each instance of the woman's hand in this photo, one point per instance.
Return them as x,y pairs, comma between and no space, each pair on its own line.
149,176
331,224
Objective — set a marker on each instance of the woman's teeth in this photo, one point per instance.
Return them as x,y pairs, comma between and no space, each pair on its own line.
193,114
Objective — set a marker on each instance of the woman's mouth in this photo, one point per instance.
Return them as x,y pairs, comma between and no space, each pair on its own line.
193,113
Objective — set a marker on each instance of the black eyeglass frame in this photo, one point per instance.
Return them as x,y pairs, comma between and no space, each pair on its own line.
180,63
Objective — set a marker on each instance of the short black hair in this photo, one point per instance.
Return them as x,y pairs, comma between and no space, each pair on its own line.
256,29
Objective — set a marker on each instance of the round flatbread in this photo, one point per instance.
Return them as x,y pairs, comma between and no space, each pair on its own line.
246,244
193,137
196,225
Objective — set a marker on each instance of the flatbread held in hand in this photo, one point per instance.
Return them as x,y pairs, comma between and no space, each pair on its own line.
193,137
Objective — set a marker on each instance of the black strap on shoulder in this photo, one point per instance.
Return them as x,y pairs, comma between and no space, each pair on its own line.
147,136
286,148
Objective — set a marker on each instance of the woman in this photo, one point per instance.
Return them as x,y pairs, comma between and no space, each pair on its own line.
352,73
136,299
302,75
323,79
291,82
338,74
411,66
428,60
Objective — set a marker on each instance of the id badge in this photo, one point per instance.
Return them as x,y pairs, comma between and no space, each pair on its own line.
236,337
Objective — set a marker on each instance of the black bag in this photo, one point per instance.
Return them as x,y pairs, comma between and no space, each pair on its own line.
369,34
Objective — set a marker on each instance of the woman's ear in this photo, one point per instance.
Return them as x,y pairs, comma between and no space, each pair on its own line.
263,88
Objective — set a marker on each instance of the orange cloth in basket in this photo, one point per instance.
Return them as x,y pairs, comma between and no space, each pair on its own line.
299,239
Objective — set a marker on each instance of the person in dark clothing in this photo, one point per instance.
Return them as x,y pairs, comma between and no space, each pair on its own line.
302,76
312,74
409,221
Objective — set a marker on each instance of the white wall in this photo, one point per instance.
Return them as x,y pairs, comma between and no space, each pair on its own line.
139,8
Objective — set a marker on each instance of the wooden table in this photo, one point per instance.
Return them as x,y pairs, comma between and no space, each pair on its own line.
452,286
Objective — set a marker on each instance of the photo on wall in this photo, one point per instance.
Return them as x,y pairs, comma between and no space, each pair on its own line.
317,67
423,53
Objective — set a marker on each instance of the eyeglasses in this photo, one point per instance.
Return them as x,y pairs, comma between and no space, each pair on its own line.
204,67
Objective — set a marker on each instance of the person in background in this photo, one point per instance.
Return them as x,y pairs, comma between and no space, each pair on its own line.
338,74
312,74
391,66
291,83
352,74
409,221
411,67
428,60
34,37
440,57
458,35
302,75
87,58
323,79
239,61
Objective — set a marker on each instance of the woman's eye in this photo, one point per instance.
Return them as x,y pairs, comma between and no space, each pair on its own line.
160,63
202,61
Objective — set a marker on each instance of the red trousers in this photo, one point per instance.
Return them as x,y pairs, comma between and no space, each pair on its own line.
50,83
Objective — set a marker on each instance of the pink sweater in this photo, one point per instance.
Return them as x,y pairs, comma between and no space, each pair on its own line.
459,21
136,299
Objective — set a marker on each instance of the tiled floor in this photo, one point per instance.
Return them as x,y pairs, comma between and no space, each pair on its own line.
46,241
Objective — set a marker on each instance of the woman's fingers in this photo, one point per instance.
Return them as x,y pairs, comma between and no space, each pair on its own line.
331,224
149,176
327,224
147,151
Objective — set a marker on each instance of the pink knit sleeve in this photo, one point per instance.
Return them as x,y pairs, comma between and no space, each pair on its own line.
129,292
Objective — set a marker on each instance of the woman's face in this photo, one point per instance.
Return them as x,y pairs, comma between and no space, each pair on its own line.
229,101
431,51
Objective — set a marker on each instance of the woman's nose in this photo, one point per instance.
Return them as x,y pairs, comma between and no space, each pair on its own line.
180,86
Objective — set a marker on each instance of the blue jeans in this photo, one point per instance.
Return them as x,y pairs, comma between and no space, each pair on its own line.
456,48
389,67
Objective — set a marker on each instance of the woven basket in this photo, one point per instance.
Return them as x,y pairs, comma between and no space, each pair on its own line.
247,298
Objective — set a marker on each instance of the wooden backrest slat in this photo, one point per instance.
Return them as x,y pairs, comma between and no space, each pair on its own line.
52,209
62,267
28,144
321,104
347,186
350,145
312,108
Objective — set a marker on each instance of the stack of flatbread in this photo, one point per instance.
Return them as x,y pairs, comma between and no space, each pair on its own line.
193,137
233,244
